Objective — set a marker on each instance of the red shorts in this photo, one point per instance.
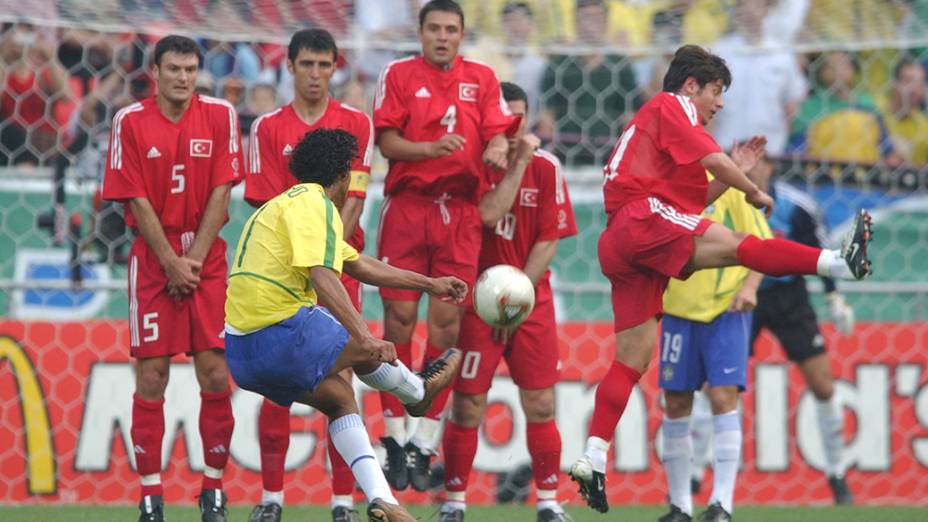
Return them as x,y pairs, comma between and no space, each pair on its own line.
531,353
162,325
434,236
645,243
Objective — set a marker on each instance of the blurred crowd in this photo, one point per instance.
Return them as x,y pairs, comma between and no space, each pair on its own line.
586,64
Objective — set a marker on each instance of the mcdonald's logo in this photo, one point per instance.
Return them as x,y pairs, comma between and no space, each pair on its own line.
40,454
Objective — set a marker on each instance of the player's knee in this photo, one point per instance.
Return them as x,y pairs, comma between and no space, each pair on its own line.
538,405
213,374
467,409
152,379
723,399
398,320
677,404
823,390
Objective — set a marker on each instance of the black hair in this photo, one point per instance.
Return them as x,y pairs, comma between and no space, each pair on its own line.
906,61
513,7
175,43
512,92
318,40
589,3
448,6
323,156
694,61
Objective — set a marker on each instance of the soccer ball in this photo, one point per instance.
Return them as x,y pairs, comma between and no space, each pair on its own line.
503,296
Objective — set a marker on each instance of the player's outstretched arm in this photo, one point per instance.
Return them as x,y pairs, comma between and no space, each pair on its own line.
214,216
724,170
375,272
395,147
494,204
181,272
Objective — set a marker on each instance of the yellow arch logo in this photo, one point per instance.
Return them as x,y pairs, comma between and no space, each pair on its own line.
40,455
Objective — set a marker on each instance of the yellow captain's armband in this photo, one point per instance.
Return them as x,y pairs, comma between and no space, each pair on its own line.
359,181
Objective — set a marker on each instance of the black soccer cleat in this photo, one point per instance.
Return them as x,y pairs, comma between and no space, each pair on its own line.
592,483
550,515
841,492
151,509
213,505
715,513
436,376
394,469
266,513
344,514
418,465
854,249
676,515
451,515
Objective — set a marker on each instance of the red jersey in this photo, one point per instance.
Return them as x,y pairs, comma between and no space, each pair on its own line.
275,134
658,155
423,103
173,165
540,212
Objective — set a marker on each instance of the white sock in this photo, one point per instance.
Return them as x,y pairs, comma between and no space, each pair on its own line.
832,264
343,501
272,497
726,455
598,450
397,380
150,480
831,424
547,499
701,432
677,454
425,437
350,439
395,427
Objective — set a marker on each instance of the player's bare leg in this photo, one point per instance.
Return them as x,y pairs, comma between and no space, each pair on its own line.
443,324
151,379
334,397
633,349
216,425
399,322
817,373
720,246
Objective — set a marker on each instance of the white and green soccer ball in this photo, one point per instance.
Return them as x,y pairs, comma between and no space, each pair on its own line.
503,296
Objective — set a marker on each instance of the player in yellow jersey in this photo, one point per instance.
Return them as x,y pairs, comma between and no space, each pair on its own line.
282,345
705,337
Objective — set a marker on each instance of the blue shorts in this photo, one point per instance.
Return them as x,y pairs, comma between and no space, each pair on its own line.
692,353
286,360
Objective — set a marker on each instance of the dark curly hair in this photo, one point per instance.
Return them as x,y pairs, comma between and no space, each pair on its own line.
323,156
693,60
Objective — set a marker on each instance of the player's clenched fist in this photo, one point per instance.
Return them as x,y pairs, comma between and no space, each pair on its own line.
379,350
760,199
495,157
528,144
450,287
447,144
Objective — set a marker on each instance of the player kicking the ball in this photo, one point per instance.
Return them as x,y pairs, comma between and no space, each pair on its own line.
524,232
280,344
655,189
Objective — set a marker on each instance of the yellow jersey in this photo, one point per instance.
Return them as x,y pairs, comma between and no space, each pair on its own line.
708,293
269,276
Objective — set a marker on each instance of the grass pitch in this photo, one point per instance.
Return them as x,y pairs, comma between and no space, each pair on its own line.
476,514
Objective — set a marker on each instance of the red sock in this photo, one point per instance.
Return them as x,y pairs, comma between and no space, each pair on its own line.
544,445
274,439
216,424
611,398
438,403
460,447
342,478
778,257
147,432
392,407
